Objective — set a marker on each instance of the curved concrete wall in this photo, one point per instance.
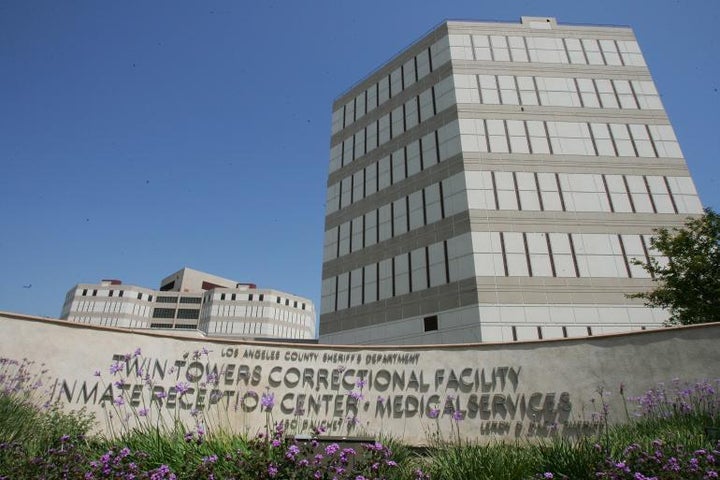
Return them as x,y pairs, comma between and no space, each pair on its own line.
494,390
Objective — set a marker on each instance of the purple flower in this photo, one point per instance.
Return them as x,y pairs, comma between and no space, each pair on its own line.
458,415
272,470
434,412
115,367
355,395
210,459
162,472
119,401
143,412
137,352
267,401
161,394
182,388
64,438
279,428
548,475
97,373
360,383
332,448
120,383
292,451
275,443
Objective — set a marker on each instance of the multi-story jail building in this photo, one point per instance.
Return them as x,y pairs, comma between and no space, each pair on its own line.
190,300
495,182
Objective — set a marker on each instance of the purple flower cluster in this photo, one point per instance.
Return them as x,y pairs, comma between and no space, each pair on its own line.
660,462
277,456
116,367
267,401
678,398
182,388
122,464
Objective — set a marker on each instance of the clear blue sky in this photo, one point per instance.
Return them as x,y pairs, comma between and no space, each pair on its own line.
140,137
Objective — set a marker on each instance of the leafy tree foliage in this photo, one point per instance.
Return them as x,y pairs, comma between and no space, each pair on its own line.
688,278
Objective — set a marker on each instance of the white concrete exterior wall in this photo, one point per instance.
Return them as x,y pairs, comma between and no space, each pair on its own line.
515,171
517,390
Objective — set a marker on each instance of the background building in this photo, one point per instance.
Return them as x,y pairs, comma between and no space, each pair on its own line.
494,182
193,300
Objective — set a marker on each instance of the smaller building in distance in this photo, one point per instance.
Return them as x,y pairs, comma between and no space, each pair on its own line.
194,300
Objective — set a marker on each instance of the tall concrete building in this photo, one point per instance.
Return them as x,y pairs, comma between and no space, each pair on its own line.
495,182
190,300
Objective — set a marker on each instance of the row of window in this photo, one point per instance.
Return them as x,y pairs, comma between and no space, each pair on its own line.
499,48
170,299
185,313
405,162
410,72
581,192
98,307
408,272
521,191
504,136
568,138
294,328
538,49
193,300
252,311
255,328
111,293
180,326
489,254
102,321
556,92
394,123
260,298
424,207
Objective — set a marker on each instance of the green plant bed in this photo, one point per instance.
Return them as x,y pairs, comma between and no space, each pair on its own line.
43,451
